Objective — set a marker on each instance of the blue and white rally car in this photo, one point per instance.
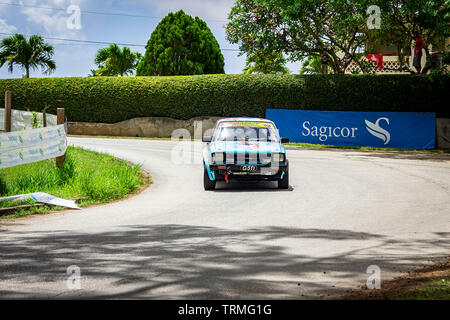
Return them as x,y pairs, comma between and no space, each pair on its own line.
246,149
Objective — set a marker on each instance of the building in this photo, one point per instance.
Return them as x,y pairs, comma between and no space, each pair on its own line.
391,63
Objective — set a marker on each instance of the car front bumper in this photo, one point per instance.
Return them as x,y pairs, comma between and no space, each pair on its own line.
263,172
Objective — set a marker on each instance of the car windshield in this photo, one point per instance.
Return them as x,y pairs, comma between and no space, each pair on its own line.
247,133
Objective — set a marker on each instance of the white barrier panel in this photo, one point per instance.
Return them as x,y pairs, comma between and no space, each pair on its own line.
32,145
21,120
43,198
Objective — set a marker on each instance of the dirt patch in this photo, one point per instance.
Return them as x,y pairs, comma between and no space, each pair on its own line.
431,282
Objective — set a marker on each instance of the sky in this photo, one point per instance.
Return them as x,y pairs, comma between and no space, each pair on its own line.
133,23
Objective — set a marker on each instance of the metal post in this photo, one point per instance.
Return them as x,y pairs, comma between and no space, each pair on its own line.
60,120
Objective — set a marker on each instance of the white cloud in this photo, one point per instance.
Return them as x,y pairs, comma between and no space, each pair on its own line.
54,22
6,28
204,9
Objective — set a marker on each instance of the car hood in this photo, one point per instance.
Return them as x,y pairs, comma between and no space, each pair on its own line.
247,146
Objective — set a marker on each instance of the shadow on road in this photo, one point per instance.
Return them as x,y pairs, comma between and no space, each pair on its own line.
247,186
181,261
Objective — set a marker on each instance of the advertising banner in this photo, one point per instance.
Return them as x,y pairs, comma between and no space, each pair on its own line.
364,129
32,145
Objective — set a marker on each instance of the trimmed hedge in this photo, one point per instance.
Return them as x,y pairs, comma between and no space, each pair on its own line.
113,99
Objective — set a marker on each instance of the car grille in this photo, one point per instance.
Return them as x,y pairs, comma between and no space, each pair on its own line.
247,158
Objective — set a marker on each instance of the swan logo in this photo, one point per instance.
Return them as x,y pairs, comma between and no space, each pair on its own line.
375,130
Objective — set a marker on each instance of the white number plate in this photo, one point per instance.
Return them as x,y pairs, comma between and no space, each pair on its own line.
249,168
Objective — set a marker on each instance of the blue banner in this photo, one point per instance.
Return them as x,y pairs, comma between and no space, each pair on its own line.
407,130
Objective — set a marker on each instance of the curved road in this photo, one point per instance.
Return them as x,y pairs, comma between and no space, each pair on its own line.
345,211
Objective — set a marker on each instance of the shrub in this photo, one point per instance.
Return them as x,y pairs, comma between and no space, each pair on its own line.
181,45
112,99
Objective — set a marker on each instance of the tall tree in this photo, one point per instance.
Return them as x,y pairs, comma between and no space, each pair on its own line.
400,20
32,54
301,28
273,63
181,45
113,61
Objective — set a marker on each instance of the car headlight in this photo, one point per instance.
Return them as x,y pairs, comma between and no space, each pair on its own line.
217,157
278,157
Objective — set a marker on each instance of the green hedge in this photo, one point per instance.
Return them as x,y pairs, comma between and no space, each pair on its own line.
113,99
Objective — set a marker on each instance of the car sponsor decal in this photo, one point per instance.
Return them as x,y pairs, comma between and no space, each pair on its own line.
246,124
250,145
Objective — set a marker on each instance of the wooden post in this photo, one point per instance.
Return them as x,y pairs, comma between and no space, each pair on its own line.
44,117
8,111
60,120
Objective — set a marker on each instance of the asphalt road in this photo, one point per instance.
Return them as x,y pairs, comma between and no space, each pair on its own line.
345,211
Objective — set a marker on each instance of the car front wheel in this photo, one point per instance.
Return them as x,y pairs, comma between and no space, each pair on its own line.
207,183
284,183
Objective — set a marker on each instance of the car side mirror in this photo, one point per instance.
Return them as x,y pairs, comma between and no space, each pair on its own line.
284,140
207,139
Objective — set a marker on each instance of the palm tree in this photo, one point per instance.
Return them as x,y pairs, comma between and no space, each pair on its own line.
113,61
93,73
273,63
313,65
30,54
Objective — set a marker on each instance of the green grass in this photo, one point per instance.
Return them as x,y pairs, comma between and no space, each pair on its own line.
90,176
435,289
309,145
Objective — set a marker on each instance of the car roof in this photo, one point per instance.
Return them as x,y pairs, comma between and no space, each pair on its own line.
244,119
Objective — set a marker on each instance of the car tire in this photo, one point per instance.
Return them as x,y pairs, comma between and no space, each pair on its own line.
207,183
284,183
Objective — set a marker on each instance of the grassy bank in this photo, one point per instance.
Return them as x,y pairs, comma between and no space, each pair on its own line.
90,176
429,283
309,145
431,289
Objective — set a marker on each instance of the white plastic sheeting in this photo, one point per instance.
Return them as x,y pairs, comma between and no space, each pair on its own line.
43,198
21,120
32,145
